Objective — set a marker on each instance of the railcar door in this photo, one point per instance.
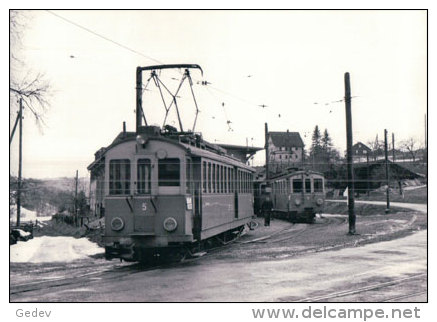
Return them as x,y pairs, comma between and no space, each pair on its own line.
236,187
144,207
199,181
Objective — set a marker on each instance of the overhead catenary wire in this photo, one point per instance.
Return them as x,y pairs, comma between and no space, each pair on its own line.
205,84
139,53
104,37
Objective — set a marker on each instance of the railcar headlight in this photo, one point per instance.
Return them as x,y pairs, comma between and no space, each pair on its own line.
170,224
140,140
319,201
297,201
117,224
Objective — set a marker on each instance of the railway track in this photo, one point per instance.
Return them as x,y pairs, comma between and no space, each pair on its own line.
346,295
296,230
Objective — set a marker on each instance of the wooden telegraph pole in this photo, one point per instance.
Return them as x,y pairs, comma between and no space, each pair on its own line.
368,176
266,146
386,172
20,162
393,145
350,169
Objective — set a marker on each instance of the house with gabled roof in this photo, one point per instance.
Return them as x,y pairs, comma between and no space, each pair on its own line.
285,149
360,152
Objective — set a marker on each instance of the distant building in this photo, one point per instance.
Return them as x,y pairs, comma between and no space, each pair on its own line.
285,149
360,152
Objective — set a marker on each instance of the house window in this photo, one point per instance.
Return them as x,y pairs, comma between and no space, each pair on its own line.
119,177
169,172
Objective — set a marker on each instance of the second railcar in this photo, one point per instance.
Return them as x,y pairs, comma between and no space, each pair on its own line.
298,195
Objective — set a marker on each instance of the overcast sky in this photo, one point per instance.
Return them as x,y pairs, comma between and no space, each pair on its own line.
291,61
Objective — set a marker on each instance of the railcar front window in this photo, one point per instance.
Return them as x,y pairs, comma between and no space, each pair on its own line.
308,185
169,172
119,177
297,185
143,176
318,185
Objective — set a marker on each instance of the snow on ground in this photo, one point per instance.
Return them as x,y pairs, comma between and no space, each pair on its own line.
26,215
414,187
46,249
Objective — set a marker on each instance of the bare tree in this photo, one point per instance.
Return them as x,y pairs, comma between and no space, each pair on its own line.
25,84
377,147
411,146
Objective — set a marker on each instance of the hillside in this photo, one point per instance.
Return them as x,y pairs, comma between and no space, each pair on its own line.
48,196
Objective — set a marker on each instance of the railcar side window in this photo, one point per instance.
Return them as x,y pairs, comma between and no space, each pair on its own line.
205,177
308,185
214,179
119,177
318,185
143,176
232,180
169,172
209,178
226,180
221,179
188,175
297,185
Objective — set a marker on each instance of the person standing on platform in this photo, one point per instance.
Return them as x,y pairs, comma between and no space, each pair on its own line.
266,208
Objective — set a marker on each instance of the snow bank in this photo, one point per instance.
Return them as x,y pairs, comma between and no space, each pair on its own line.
26,215
53,249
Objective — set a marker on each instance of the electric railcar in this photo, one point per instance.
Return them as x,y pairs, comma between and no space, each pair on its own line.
298,195
165,194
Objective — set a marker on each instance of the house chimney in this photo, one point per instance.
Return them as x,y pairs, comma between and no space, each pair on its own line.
124,129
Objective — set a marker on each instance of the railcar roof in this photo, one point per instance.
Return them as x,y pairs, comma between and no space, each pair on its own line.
195,151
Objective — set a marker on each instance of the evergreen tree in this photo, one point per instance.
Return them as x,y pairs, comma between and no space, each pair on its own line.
316,148
326,142
316,141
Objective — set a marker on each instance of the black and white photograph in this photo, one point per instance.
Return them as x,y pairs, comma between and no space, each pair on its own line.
218,156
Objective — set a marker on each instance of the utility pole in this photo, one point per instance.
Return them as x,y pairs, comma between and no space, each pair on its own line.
386,173
139,99
350,169
393,145
75,198
266,147
368,176
20,162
